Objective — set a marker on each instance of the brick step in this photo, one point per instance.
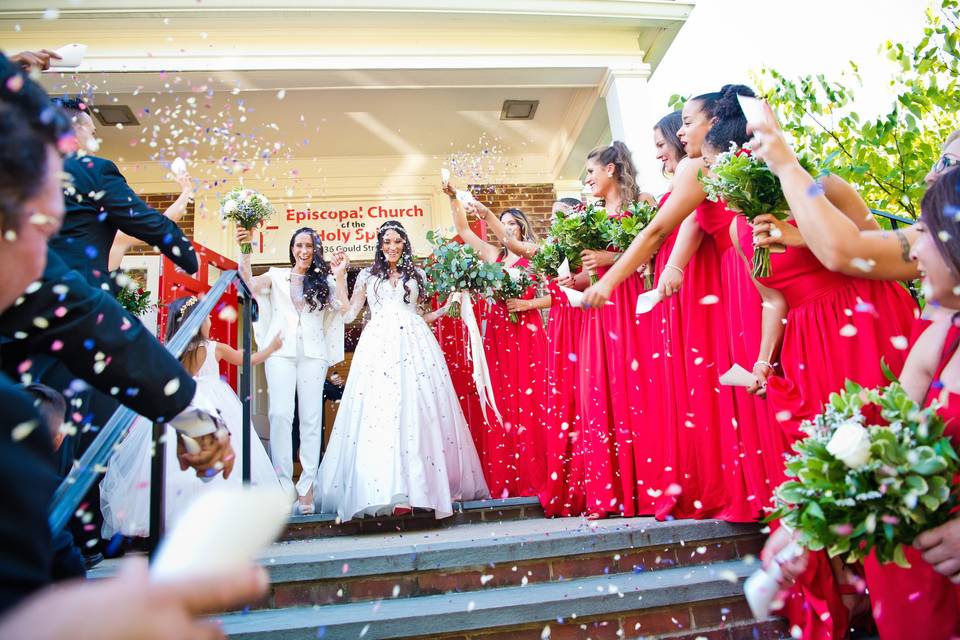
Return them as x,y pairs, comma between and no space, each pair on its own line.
677,601
326,525
487,556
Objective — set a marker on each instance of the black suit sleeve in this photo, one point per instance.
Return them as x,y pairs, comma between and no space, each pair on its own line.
27,483
128,213
102,344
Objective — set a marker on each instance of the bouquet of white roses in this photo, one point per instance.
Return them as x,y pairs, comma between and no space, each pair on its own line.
247,208
860,485
455,267
513,285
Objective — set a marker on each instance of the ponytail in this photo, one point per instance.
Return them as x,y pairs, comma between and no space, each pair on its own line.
625,173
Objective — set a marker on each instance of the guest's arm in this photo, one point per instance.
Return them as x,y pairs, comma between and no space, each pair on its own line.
123,242
487,251
82,325
518,247
688,242
518,305
837,241
130,214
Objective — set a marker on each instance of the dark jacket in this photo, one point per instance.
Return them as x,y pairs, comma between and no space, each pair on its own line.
27,483
99,204
98,340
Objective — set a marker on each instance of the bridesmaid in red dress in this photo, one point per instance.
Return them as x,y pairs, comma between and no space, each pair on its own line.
696,481
616,372
924,600
563,492
826,327
513,454
750,446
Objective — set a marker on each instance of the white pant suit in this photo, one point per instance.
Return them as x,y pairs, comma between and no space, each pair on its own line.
312,341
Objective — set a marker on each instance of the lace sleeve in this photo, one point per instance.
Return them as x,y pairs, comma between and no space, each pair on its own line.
359,297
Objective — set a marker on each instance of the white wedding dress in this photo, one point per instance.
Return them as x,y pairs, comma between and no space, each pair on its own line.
400,437
125,488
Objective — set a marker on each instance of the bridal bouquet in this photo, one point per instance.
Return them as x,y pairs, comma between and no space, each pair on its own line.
747,186
585,228
514,284
455,267
247,208
623,228
874,471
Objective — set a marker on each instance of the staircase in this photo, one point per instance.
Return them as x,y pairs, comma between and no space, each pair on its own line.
498,570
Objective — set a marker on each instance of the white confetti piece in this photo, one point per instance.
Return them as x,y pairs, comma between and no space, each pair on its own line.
710,299
899,342
848,331
23,430
171,387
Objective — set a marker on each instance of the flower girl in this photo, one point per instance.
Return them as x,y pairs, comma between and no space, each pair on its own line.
125,489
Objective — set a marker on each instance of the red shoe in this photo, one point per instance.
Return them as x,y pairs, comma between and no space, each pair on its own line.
401,511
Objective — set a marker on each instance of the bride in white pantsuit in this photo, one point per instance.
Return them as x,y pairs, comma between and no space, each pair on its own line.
400,440
302,305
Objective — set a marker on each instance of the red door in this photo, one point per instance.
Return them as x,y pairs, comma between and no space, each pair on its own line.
175,283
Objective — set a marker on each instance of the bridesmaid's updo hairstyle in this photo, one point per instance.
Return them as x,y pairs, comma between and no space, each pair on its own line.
405,265
729,122
624,172
316,289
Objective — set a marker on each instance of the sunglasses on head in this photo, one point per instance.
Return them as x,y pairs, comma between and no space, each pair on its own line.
945,162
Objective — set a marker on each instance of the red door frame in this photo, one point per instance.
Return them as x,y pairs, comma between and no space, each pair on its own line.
175,283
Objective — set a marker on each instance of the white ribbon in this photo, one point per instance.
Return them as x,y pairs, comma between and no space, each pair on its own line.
481,372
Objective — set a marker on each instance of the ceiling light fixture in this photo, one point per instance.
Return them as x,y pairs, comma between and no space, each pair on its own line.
519,109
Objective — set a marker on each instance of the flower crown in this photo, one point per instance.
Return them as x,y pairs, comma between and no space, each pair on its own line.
192,300
392,225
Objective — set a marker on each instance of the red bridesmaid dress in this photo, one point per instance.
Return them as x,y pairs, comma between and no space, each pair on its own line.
513,454
563,491
454,342
753,445
716,471
919,602
835,330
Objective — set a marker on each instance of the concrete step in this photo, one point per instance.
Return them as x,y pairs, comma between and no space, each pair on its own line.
671,601
486,556
325,525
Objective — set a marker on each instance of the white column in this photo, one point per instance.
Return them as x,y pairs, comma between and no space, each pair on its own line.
625,93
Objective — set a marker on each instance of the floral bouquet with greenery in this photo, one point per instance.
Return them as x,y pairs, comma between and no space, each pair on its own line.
513,285
861,485
454,267
583,229
623,228
134,299
548,258
747,186
247,208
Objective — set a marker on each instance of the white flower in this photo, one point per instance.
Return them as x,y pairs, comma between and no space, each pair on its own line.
229,206
513,272
850,444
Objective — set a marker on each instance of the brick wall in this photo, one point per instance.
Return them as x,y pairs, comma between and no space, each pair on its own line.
160,202
535,200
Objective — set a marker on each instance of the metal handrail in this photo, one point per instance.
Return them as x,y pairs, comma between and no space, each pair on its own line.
893,218
81,477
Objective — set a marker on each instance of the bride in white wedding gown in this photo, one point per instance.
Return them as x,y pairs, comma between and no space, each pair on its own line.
400,440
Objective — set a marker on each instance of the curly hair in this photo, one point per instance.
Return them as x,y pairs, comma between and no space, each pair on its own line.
729,124
618,154
405,265
316,289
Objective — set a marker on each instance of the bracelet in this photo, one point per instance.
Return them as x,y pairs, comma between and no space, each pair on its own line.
764,363
676,268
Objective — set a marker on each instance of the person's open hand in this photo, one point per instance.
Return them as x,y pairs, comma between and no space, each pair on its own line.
941,548
35,59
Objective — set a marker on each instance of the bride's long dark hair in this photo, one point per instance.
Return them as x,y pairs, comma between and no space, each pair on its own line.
405,265
316,289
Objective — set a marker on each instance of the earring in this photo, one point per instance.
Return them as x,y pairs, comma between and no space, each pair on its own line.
609,175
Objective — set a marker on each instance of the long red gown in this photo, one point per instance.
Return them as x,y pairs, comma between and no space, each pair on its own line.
720,432
513,454
563,491
838,327
452,335
919,602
